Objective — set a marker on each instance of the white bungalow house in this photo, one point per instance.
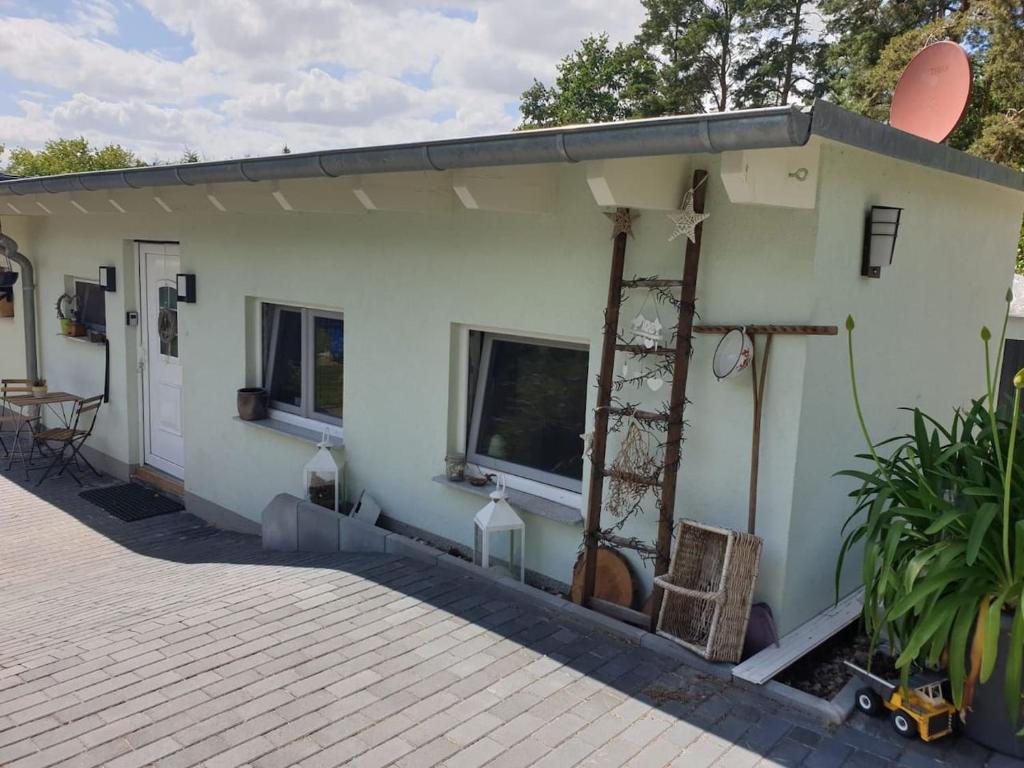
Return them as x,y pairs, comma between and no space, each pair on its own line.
396,295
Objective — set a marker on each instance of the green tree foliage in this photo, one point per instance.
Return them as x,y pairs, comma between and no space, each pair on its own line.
687,57
594,84
69,156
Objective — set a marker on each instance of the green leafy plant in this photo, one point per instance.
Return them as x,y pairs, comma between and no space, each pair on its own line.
941,522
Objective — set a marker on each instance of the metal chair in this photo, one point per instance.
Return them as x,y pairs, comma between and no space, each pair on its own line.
65,443
12,421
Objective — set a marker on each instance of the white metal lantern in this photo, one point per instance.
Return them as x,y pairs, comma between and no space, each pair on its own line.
323,476
496,529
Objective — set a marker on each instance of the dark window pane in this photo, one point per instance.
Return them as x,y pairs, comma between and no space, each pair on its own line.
168,320
92,306
534,407
328,365
286,357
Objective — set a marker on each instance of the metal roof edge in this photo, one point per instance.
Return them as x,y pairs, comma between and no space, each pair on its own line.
831,122
686,134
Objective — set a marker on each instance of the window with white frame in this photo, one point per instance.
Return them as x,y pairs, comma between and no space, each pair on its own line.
304,361
528,408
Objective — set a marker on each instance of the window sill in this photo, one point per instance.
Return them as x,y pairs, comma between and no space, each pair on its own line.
305,434
525,502
81,340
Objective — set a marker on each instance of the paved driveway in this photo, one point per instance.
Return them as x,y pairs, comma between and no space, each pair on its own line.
168,643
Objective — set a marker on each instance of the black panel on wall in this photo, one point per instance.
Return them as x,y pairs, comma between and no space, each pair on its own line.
1013,361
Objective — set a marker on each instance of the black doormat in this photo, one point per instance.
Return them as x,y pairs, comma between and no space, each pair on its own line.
131,502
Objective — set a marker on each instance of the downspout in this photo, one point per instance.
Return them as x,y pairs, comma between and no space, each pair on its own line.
28,293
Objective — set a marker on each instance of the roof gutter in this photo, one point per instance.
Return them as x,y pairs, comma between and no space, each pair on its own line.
28,291
718,132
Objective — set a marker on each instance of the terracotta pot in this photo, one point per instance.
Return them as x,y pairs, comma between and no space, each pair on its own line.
252,403
77,330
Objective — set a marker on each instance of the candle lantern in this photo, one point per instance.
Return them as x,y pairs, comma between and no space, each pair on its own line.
499,531
323,476
455,467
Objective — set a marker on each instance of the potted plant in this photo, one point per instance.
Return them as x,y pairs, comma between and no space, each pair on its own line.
39,388
252,403
940,517
66,312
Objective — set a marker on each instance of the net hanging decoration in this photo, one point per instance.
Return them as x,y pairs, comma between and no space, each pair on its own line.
635,467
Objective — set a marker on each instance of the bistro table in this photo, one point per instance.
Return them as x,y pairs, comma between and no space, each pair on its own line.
60,404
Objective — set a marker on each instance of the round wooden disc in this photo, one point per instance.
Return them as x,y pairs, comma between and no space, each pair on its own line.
613,583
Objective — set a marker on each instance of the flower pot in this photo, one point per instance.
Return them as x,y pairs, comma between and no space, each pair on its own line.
988,722
6,306
65,326
7,278
77,330
252,403
39,390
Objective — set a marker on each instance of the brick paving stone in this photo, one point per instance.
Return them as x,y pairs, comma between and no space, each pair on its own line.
165,642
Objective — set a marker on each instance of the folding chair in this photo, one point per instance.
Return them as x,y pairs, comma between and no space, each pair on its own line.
12,421
65,443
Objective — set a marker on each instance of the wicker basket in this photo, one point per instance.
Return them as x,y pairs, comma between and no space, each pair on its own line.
708,590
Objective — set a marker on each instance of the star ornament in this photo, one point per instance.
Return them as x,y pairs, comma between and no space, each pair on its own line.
622,221
686,220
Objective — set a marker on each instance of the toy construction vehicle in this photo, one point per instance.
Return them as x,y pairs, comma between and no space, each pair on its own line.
923,711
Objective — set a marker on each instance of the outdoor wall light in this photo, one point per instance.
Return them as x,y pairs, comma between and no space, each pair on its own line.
881,226
108,279
187,288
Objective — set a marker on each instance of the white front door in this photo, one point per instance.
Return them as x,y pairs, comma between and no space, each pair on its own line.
162,430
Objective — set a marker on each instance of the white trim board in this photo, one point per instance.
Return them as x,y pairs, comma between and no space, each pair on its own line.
763,666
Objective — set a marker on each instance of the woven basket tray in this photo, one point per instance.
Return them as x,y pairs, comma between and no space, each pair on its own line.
708,590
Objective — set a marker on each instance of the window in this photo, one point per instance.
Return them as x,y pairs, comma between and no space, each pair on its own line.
92,306
529,408
304,361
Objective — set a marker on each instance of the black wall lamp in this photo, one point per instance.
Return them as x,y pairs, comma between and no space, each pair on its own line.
186,288
108,278
881,226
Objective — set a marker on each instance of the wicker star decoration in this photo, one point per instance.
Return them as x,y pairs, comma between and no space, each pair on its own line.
622,221
686,220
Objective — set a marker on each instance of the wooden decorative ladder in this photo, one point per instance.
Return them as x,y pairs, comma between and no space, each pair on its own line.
593,535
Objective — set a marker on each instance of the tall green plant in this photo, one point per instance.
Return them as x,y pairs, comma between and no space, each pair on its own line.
941,522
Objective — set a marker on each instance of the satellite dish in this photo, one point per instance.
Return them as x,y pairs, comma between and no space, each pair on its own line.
932,93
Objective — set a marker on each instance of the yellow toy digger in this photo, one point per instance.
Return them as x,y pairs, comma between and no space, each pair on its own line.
924,711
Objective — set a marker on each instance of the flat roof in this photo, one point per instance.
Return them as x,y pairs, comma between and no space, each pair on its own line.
774,127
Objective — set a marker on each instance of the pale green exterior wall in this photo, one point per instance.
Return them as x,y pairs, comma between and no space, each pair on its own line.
404,281
917,340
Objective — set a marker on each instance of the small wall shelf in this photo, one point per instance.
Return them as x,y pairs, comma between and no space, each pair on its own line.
81,340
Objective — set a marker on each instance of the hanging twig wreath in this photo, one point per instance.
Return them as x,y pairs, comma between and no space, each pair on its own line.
167,326
633,470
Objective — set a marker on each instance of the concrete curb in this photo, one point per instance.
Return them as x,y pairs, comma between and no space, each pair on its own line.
834,711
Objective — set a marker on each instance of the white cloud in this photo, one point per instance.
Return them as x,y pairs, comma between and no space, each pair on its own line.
309,73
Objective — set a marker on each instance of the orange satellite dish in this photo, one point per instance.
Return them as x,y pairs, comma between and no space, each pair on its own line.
932,93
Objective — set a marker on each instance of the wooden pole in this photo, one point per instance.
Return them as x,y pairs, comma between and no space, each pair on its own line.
604,398
757,385
673,440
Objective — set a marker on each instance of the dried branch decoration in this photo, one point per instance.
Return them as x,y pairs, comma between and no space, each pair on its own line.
634,470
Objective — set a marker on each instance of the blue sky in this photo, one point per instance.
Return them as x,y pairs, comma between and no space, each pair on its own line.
244,77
